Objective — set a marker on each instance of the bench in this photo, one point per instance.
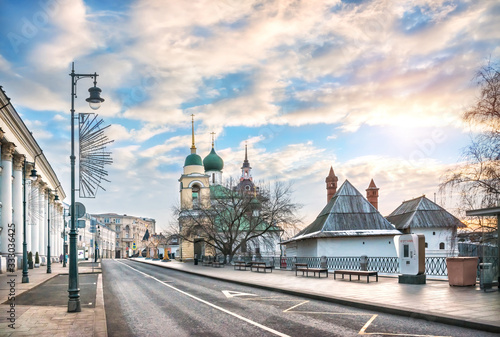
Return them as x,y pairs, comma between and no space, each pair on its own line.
304,268
260,266
356,272
206,262
241,265
217,264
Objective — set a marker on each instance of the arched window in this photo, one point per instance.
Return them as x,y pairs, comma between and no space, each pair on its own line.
426,245
196,191
127,231
441,245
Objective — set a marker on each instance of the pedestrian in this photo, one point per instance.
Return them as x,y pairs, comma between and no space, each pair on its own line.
60,258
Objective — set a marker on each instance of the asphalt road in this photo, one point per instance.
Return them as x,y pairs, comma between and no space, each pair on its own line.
145,300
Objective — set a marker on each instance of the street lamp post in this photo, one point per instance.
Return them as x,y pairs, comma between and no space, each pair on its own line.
65,245
49,263
94,101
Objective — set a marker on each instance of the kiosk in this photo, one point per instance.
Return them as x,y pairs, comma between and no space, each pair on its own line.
412,259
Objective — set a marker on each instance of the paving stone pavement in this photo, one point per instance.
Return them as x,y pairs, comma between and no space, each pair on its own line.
54,321
435,301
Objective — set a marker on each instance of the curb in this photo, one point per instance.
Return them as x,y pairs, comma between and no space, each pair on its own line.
357,304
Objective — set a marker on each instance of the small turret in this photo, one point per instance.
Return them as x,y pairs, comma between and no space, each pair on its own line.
372,194
331,185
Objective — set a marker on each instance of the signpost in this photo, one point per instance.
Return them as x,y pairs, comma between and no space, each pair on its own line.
79,210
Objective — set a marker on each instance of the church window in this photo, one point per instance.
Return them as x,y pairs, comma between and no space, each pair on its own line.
196,202
433,233
247,188
426,245
244,247
441,245
213,178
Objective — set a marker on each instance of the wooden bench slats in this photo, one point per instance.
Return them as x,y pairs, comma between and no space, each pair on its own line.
304,268
359,273
260,266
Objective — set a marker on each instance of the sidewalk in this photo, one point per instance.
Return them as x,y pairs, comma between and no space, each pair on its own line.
42,310
435,301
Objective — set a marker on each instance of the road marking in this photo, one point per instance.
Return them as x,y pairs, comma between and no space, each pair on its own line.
367,324
363,329
230,293
269,298
295,306
263,327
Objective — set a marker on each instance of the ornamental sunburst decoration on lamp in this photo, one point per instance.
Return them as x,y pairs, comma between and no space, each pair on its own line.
93,157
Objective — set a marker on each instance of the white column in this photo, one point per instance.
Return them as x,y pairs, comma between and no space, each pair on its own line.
42,221
27,186
61,228
34,215
17,202
7,152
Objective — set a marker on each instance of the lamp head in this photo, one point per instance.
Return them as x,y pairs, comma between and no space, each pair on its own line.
95,99
33,175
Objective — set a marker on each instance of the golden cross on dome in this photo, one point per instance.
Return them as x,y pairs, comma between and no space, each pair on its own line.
213,138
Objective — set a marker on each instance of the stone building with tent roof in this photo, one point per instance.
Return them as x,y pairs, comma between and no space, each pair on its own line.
349,225
422,216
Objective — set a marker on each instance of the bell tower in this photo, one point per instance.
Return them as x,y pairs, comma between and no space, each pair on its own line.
372,194
331,185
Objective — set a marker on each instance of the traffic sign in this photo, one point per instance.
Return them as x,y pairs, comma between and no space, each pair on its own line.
134,246
79,210
80,223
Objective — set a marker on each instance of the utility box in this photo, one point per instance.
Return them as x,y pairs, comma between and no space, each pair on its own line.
412,258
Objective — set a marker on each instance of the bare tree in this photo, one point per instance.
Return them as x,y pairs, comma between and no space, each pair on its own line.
477,178
234,218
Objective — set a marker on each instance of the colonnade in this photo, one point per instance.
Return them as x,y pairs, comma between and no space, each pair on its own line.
42,210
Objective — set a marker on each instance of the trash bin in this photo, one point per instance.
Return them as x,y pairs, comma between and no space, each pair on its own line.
486,275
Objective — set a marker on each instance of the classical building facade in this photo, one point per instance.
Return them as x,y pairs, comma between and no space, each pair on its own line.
128,230
96,239
44,212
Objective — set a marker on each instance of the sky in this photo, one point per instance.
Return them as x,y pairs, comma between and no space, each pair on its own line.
375,89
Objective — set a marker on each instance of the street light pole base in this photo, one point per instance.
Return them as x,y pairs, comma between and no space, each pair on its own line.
74,306
26,279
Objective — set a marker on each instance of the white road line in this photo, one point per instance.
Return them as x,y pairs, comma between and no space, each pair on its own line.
295,306
277,333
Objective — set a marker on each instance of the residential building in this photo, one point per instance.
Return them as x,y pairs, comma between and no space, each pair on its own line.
129,231
95,239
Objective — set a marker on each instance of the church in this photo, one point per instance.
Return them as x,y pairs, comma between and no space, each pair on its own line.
201,183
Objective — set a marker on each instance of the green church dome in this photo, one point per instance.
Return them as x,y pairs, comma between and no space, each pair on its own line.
193,159
213,162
